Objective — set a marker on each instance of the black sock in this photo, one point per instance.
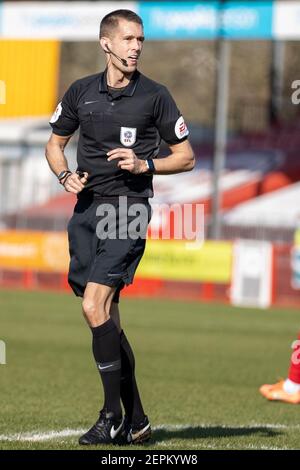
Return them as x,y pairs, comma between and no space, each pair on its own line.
106,349
129,391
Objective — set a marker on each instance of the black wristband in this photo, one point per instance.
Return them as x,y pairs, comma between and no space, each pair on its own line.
63,181
151,167
63,174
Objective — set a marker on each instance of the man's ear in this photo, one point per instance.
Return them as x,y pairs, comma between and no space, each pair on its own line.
104,44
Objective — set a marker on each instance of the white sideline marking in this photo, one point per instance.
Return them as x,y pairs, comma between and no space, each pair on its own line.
227,446
38,436
173,427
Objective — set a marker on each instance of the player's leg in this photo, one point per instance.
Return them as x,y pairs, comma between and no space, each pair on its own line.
106,349
137,427
293,381
115,315
287,390
114,261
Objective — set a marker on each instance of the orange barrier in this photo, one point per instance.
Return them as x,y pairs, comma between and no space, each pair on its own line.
30,250
29,70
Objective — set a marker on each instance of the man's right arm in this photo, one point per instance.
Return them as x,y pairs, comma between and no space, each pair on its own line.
57,161
64,123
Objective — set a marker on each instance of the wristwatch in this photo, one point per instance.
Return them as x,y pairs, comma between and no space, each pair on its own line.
150,166
63,174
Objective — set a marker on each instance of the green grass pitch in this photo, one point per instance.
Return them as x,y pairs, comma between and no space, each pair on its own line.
199,367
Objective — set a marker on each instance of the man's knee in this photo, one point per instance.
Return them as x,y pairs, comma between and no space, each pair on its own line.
90,308
96,305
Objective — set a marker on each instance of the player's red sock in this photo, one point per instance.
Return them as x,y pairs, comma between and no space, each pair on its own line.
294,371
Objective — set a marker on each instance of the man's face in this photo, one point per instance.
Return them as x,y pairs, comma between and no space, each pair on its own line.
127,42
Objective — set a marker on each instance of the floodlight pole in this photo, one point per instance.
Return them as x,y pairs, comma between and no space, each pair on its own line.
222,96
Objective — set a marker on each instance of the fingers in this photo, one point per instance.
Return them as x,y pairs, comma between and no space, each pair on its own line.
119,149
127,160
135,167
74,183
84,177
69,189
120,153
126,165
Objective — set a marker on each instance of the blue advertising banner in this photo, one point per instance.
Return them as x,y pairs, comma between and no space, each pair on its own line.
176,20
207,20
180,20
248,20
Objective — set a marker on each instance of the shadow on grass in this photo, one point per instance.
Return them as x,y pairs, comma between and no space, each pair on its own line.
201,432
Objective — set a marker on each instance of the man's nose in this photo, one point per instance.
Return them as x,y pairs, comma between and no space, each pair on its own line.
136,45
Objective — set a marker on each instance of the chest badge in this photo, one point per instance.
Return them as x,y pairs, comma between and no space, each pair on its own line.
128,136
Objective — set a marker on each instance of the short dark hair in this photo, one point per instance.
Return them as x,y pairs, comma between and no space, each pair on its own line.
111,20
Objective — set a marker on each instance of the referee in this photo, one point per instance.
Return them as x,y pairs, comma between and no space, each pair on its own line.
122,116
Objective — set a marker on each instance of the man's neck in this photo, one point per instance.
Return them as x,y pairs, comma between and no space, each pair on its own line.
116,78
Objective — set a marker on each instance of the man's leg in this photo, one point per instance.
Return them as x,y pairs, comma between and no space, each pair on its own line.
106,349
139,429
129,390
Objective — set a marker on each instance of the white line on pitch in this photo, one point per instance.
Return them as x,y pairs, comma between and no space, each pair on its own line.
200,445
39,436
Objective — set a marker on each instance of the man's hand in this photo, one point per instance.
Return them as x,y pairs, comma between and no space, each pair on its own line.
74,183
128,160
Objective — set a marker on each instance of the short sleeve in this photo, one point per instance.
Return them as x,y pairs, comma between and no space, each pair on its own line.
64,120
168,119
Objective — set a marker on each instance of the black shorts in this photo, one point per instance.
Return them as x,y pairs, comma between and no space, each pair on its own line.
96,257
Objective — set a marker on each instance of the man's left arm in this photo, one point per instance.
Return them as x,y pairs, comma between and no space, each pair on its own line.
181,159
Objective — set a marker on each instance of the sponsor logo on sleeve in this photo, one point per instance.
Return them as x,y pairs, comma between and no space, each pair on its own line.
56,113
180,128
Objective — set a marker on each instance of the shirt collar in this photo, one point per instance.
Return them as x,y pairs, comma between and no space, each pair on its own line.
129,90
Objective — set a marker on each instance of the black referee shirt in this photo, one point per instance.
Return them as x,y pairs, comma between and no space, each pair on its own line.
138,117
